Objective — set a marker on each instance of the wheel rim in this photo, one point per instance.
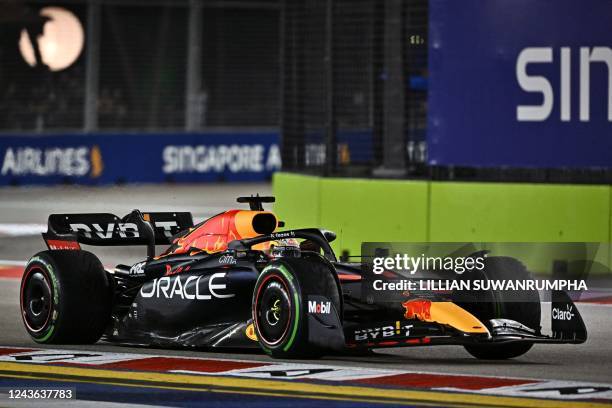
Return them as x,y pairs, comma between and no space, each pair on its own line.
36,302
273,311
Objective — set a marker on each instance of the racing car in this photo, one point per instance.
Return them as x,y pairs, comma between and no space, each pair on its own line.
239,280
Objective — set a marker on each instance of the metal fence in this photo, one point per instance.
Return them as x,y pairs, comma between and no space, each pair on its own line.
344,81
144,65
354,95
348,106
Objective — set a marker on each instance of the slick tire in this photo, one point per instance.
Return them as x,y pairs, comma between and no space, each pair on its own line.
521,306
280,304
65,297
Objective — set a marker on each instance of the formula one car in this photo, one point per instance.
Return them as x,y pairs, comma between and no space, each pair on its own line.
234,281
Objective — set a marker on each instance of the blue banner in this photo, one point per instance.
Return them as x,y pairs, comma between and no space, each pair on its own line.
520,83
124,158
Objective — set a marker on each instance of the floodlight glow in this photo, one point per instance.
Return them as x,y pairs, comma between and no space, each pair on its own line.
61,42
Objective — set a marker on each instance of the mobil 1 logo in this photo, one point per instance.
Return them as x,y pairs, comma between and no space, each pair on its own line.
322,309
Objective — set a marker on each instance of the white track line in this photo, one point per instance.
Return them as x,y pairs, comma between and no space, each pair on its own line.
106,356
21,230
69,403
9,262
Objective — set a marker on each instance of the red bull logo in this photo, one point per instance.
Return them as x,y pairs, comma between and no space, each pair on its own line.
418,309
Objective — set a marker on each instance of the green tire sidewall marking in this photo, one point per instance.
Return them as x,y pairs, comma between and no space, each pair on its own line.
55,284
285,272
498,309
295,324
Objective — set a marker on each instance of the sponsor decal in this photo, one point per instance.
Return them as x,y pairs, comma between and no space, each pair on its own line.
178,269
417,309
250,332
234,158
319,307
53,161
97,165
377,333
227,260
540,84
106,231
564,315
120,229
283,234
56,244
169,227
176,287
86,158
314,154
137,269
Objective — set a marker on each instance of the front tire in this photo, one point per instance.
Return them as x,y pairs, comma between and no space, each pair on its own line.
65,297
521,306
280,304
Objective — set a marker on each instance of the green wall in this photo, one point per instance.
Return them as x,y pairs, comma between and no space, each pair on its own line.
297,201
415,211
379,210
519,212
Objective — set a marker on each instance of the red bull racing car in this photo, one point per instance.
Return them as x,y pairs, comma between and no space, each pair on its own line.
235,281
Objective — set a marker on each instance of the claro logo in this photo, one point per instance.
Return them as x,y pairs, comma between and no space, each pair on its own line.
190,289
560,314
540,84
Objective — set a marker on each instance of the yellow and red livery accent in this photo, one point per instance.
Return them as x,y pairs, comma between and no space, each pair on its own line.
446,313
61,244
250,332
214,234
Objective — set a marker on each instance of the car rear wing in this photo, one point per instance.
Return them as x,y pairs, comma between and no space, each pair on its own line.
67,231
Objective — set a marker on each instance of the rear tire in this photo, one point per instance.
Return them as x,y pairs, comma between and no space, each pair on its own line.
280,304
521,306
65,297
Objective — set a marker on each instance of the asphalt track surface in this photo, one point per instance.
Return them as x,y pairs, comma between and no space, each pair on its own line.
591,361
